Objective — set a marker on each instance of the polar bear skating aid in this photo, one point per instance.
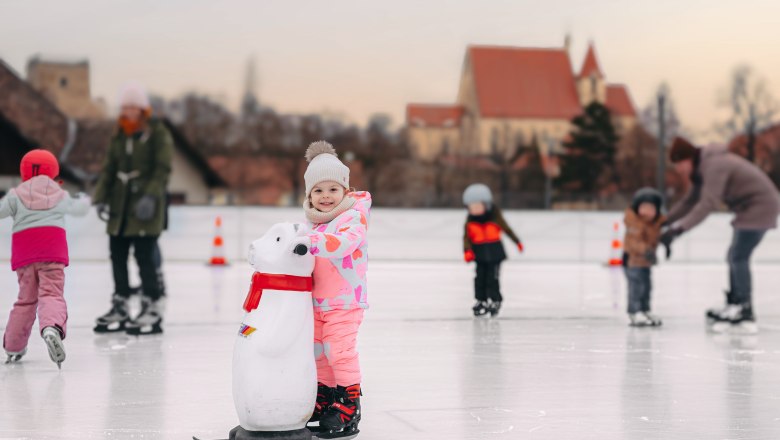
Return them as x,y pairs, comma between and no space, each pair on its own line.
274,374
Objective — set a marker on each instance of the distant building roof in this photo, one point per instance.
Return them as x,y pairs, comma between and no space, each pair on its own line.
591,64
524,83
431,115
35,117
619,101
65,61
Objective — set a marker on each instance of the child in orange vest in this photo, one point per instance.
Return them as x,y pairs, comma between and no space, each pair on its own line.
482,243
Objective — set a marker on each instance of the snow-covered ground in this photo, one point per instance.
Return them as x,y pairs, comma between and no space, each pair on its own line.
559,363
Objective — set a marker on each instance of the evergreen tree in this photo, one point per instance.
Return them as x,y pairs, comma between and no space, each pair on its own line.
590,154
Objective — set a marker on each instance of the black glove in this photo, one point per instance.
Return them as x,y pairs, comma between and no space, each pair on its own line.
651,257
667,237
145,208
103,211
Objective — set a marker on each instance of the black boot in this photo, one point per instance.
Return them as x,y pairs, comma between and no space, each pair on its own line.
493,308
324,401
343,416
480,308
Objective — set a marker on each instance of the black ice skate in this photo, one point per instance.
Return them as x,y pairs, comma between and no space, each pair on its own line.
15,356
149,321
480,308
325,397
342,418
493,308
736,318
115,319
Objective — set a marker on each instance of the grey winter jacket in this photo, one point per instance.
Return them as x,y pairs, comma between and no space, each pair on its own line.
726,178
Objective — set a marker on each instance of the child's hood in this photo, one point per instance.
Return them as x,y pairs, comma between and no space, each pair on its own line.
362,200
40,193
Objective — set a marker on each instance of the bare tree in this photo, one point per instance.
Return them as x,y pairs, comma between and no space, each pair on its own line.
751,105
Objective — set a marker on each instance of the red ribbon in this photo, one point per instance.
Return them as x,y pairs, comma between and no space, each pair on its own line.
262,281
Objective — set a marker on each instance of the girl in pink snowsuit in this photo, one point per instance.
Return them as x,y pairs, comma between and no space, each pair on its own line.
39,253
339,221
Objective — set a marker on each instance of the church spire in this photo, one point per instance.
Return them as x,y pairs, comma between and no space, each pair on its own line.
590,67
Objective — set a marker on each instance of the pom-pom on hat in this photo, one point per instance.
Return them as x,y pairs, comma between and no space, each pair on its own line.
39,163
324,165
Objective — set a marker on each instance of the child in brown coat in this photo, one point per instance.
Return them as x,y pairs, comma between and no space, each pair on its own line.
643,229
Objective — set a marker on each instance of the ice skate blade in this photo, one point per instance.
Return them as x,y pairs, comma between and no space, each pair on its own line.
725,327
144,330
13,359
114,327
56,350
336,435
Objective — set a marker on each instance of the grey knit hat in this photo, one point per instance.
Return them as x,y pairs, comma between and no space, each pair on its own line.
324,165
477,192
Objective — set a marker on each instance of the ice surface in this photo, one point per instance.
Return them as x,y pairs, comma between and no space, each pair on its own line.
560,363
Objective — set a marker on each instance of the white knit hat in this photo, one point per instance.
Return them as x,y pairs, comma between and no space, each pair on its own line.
133,94
324,165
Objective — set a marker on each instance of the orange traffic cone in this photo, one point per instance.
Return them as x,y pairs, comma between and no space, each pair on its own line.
218,249
616,251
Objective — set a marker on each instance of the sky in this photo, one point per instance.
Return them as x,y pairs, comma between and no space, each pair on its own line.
359,57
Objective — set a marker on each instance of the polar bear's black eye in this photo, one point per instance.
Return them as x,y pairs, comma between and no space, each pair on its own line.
278,238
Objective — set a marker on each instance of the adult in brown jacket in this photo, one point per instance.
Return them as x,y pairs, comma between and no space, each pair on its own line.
720,178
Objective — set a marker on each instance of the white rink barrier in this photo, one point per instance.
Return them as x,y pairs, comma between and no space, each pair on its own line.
410,235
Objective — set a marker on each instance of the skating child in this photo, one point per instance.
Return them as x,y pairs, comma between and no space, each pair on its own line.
643,229
482,243
339,221
39,253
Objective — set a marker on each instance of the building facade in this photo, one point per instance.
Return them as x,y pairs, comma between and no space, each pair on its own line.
513,97
67,85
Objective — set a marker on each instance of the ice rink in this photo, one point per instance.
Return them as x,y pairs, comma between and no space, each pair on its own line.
559,362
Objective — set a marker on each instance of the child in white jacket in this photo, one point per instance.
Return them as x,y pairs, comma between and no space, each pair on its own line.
39,253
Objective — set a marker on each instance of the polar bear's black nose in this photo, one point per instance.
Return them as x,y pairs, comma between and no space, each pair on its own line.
301,249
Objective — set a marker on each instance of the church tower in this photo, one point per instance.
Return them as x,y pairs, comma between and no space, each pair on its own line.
591,84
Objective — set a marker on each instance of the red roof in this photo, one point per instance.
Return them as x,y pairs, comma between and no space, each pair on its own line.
591,64
524,83
618,101
430,115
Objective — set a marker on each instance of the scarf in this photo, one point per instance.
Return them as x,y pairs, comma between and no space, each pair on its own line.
318,217
261,281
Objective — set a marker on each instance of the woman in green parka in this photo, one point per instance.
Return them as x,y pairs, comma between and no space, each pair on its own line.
130,195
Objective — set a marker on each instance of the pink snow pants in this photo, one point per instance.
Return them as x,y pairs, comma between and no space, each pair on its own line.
40,290
335,340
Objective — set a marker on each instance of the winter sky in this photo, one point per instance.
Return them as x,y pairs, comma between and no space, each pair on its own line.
359,57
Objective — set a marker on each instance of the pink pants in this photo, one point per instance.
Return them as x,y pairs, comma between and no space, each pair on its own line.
40,289
335,340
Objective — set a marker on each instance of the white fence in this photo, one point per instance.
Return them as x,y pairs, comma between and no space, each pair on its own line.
409,235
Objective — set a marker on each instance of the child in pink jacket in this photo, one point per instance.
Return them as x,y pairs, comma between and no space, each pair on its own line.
339,221
39,253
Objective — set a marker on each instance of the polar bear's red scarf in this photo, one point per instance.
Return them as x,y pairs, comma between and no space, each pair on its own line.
262,281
